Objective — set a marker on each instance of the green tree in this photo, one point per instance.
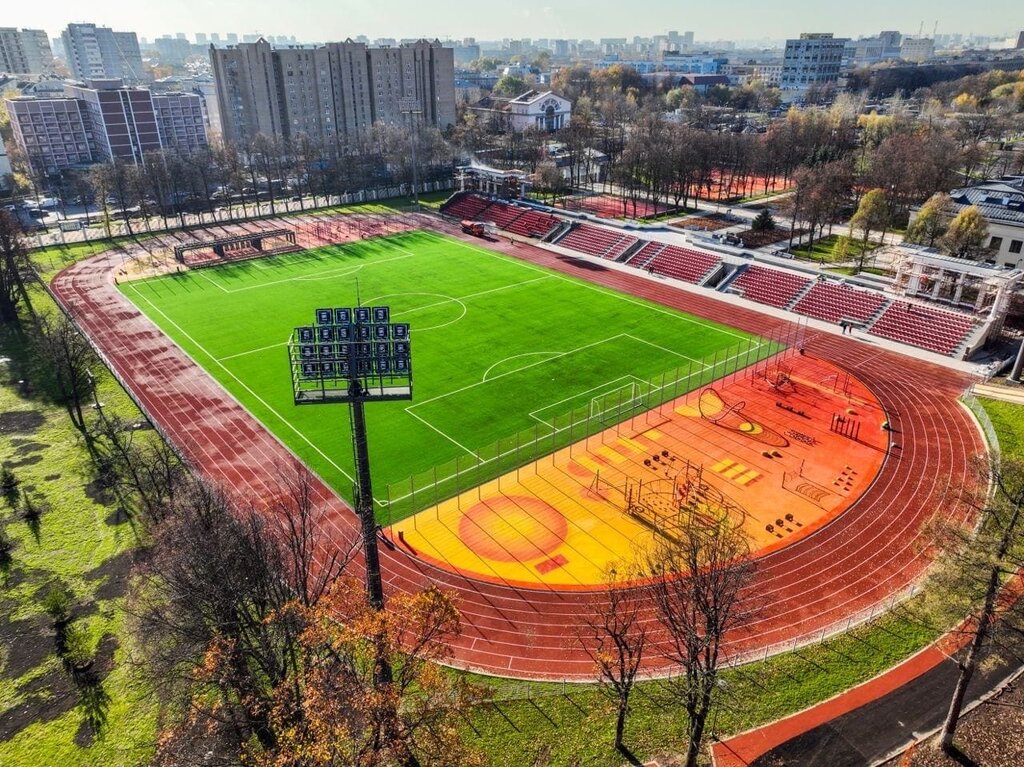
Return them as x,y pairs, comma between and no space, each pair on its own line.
966,234
763,222
872,216
510,85
929,225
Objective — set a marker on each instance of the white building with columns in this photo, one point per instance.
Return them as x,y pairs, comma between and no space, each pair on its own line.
539,109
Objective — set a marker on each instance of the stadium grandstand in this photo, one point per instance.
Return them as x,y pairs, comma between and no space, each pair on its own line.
926,307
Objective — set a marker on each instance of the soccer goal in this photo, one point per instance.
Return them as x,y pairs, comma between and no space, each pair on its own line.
619,404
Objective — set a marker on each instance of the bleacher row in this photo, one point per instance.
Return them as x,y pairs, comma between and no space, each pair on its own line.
673,261
915,324
925,327
595,241
522,221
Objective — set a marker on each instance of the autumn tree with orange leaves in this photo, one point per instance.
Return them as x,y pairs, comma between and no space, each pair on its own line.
339,712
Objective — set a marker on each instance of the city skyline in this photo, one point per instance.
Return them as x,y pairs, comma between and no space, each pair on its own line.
321,21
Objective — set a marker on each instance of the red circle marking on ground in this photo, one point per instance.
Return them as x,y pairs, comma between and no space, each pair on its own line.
513,529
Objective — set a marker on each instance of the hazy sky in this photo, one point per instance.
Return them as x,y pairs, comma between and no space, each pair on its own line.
322,20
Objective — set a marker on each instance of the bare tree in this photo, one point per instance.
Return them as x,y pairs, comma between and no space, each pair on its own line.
976,567
14,263
65,357
143,473
696,576
615,638
218,590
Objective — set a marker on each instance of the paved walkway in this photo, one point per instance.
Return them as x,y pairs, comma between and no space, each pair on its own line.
877,720
1014,394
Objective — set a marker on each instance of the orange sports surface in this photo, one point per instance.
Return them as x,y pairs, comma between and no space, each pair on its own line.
782,448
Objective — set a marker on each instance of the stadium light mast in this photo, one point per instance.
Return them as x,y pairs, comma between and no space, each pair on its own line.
410,105
354,356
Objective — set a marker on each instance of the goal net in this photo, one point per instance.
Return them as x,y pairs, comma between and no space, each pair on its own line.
620,403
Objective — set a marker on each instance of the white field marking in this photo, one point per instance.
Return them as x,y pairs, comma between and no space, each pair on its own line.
241,383
666,350
589,285
447,300
517,370
503,454
465,311
202,273
253,351
605,385
453,298
329,274
515,357
431,426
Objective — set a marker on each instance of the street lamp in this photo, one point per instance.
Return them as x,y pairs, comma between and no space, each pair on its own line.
354,355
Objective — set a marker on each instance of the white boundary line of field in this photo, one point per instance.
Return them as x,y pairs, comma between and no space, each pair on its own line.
329,274
258,398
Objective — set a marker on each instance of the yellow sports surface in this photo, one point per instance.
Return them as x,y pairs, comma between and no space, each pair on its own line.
781,448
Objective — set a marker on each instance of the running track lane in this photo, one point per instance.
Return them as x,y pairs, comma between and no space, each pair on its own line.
859,560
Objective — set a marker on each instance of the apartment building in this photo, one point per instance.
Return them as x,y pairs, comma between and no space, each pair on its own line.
917,49
98,53
813,58
103,120
334,91
25,51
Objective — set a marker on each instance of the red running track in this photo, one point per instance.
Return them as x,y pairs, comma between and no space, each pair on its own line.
864,557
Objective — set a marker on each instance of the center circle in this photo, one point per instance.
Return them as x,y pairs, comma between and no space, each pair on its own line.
513,529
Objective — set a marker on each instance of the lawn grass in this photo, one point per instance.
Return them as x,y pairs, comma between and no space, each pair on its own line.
546,724
1008,420
83,543
824,250
500,347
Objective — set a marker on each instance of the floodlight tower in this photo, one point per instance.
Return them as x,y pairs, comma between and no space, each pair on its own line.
354,355
410,105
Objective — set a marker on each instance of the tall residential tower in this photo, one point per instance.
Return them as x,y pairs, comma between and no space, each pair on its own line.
331,92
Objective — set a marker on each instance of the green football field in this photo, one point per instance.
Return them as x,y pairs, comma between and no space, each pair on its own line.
503,351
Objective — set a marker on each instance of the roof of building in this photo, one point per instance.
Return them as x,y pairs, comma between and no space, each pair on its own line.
531,97
997,200
693,79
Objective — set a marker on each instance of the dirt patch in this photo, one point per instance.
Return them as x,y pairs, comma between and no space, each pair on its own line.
56,696
710,223
51,477
21,421
758,239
